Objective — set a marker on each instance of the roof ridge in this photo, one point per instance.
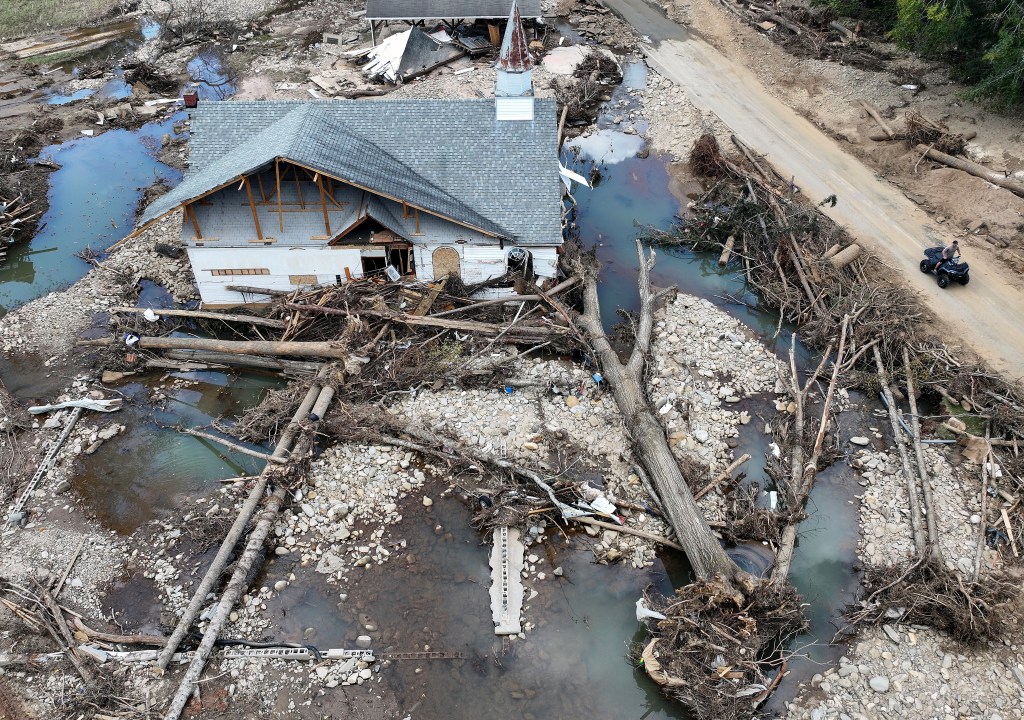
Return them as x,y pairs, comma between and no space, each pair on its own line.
343,129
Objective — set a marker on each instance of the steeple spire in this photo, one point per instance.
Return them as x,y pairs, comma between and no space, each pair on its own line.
513,87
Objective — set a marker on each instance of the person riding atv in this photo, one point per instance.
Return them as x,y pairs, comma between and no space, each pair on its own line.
948,253
943,263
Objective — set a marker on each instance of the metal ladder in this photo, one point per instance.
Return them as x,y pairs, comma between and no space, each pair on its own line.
44,466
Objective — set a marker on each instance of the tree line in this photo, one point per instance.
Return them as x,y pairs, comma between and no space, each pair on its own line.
981,40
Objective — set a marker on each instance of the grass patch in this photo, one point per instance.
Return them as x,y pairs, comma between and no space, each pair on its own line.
57,58
27,17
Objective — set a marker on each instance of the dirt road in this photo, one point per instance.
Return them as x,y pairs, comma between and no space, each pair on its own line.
986,315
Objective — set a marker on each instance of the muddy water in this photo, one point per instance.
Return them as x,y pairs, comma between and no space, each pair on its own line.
125,493
92,199
435,593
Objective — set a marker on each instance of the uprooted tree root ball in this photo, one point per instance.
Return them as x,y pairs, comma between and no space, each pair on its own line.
706,157
719,652
928,593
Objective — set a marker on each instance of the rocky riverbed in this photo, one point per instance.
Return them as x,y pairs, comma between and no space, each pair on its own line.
912,671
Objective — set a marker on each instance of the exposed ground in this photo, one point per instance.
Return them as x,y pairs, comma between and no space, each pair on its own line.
924,676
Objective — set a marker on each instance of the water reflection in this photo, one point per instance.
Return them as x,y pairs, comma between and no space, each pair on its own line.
93,198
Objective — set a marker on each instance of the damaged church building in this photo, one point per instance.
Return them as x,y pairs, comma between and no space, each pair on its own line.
283,195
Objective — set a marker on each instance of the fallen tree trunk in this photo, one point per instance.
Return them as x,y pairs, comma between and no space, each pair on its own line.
206,315
472,326
931,520
882,137
213,573
878,119
975,169
235,347
845,256
702,547
250,361
920,545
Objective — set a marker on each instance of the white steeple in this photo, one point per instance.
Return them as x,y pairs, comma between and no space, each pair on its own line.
513,88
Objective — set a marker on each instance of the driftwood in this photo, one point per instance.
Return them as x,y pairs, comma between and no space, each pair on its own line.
471,326
252,361
843,30
845,256
722,476
882,137
235,347
931,519
802,474
629,531
157,640
207,315
916,523
234,447
878,119
730,243
973,168
213,573
238,582
702,548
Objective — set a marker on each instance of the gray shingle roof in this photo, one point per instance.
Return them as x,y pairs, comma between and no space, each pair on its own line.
450,157
448,9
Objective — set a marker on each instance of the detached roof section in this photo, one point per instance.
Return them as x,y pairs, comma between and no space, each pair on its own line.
451,158
448,9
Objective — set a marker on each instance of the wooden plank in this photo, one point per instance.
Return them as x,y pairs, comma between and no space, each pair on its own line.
277,173
428,300
191,215
252,205
323,204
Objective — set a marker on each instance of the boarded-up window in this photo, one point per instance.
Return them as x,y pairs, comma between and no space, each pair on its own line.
240,271
302,279
446,263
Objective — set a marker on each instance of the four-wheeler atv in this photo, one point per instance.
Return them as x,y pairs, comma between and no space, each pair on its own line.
950,270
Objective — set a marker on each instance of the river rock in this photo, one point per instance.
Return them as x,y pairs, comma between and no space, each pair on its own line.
859,440
879,683
427,502
364,641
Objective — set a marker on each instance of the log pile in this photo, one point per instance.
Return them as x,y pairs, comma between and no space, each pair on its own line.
389,336
809,32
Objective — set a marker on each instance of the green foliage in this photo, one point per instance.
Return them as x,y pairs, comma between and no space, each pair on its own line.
981,40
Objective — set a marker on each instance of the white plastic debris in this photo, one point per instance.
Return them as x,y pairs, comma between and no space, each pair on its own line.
150,315
643,612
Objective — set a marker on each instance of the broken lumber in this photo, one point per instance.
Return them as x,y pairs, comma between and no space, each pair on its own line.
249,289
213,573
878,119
881,137
234,347
974,169
730,243
206,315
